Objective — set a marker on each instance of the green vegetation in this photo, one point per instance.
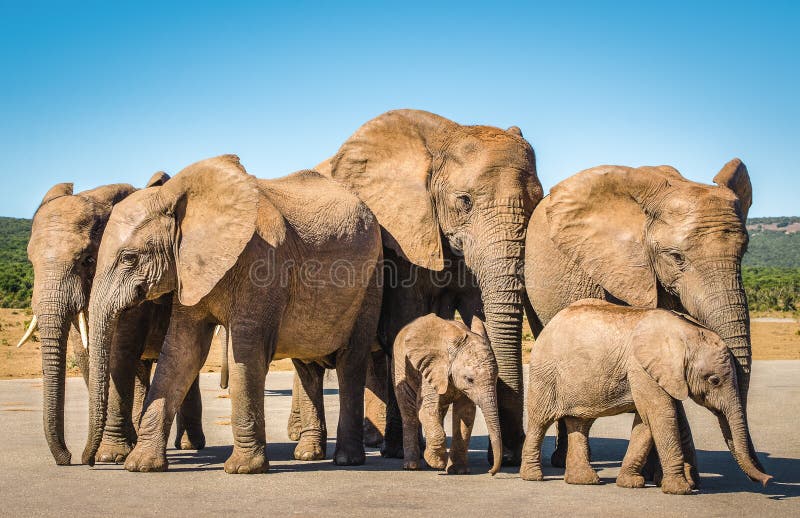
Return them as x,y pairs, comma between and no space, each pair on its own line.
771,267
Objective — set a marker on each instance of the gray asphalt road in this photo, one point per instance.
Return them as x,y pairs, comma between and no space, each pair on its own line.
30,484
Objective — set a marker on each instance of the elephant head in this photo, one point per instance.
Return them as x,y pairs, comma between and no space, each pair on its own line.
65,237
447,354
182,237
694,361
433,183
650,237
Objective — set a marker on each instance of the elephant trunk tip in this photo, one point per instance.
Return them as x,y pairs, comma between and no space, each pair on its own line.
765,480
88,457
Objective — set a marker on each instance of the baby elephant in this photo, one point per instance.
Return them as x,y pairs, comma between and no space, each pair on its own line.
438,362
596,359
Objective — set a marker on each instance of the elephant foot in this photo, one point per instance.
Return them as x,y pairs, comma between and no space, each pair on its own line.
352,456
392,451
112,452
412,465
295,428
146,460
585,476
436,458
457,469
310,448
190,440
630,480
531,473
559,458
247,462
373,438
675,485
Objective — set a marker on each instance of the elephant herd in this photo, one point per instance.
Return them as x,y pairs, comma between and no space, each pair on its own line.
413,215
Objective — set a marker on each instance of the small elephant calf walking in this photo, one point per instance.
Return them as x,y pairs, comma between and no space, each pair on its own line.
438,362
597,359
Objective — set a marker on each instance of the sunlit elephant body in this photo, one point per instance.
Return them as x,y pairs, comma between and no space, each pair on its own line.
453,204
65,237
645,237
287,266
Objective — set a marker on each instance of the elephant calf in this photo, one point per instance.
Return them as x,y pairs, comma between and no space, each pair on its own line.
596,359
438,362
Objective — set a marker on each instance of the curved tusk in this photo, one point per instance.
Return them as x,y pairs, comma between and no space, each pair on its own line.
83,328
31,328
216,330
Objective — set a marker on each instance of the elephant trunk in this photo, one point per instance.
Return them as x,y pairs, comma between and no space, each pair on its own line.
734,429
53,329
499,271
101,332
488,405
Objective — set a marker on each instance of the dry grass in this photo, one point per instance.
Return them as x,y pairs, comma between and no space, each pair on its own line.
771,341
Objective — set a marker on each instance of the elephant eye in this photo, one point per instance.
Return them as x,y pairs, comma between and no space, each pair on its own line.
129,258
469,379
464,202
677,257
714,380
88,261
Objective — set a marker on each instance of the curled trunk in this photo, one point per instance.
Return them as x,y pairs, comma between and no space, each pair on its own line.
488,406
737,436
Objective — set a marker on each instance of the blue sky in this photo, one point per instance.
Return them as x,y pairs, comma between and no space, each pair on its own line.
102,92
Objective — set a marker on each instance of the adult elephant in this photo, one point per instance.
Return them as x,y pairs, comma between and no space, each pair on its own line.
65,237
646,237
453,203
287,266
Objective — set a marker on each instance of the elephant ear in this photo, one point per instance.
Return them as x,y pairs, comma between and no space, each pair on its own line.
215,204
598,219
514,130
109,195
56,191
735,177
388,163
477,326
661,351
427,351
159,178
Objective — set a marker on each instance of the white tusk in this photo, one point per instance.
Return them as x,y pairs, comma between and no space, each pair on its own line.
29,332
216,330
83,328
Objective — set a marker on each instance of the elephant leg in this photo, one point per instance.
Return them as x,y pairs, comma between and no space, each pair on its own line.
248,372
690,467
140,388
189,423
375,399
639,446
311,410
559,457
183,354
351,371
463,420
409,404
393,436
294,426
661,416
431,414
531,465
578,470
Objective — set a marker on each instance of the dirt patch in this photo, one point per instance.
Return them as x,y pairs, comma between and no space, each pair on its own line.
771,341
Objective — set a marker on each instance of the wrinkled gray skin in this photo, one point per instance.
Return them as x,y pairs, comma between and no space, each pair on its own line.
453,202
437,363
645,237
259,257
65,237
596,359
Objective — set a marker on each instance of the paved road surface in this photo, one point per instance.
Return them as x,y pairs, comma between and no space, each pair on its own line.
31,485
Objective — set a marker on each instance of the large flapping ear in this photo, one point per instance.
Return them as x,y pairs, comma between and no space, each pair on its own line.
56,191
388,163
514,130
158,178
660,348
598,219
426,347
735,177
215,203
110,194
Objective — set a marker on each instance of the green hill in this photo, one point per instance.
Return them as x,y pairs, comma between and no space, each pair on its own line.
771,266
